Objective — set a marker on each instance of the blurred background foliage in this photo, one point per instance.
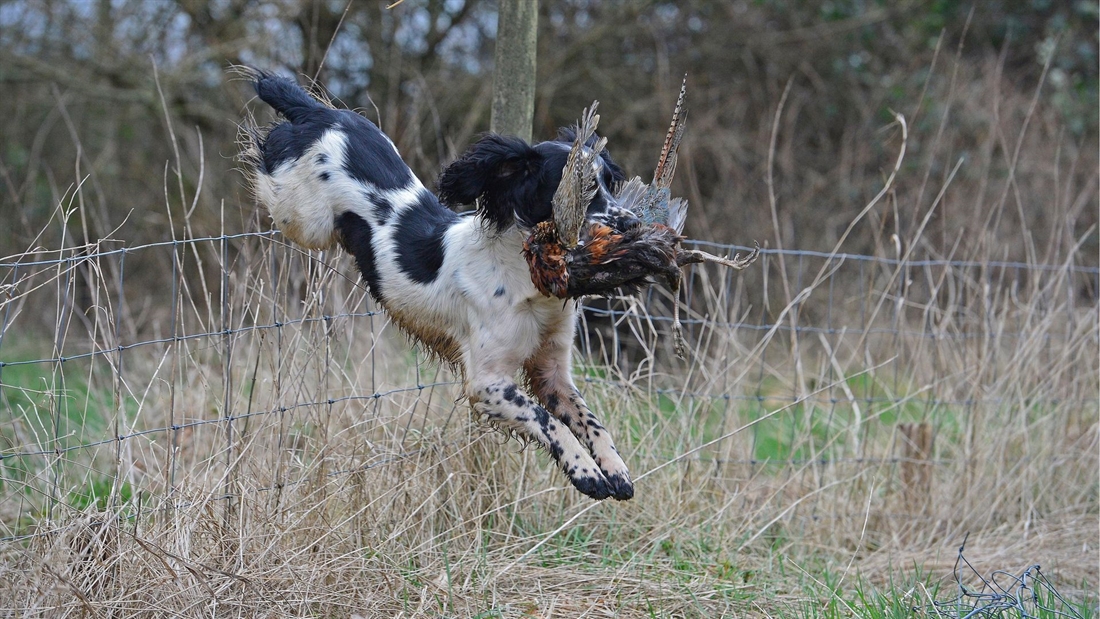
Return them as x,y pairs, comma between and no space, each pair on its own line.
95,89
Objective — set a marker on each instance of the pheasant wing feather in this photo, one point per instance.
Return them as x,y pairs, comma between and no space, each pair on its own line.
578,181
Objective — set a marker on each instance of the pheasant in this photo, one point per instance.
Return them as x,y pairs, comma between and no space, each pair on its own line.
571,257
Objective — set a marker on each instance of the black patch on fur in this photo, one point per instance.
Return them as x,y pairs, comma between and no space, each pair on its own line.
499,291
595,487
321,158
288,141
419,238
323,176
541,415
381,208
510,393
369,157
552,402
355,235
546,423
621,488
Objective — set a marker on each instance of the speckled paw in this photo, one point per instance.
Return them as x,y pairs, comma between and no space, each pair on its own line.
621,487
595,487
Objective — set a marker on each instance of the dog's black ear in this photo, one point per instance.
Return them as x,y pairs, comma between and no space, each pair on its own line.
569,134
490,169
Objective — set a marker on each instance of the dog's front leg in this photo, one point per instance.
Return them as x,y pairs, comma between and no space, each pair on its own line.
568,405
506,406
551,379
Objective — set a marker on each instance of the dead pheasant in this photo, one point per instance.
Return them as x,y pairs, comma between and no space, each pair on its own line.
572,258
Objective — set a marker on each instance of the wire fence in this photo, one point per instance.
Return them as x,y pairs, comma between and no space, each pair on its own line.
128,371
1029,595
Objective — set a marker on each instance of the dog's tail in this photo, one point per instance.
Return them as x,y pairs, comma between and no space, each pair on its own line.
282,93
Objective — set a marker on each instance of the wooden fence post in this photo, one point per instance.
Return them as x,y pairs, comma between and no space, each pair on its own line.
513,109
916,466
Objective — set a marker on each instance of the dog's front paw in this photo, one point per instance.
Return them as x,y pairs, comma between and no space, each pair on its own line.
622,489
614,470
595,486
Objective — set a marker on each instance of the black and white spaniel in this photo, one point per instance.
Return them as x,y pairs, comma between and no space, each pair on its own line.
457,283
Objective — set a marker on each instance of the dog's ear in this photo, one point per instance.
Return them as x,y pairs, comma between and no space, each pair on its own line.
490,169
569,134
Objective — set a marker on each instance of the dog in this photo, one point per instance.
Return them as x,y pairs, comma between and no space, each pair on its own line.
457,283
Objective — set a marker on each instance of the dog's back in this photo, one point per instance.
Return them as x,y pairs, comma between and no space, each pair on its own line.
319,146
330,176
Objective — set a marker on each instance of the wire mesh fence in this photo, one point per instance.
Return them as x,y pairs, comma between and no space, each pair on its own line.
1028,595
177,375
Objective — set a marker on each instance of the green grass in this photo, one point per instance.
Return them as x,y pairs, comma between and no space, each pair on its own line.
48,409
96,494
59,404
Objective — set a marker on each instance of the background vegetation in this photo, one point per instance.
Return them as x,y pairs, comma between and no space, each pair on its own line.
965,75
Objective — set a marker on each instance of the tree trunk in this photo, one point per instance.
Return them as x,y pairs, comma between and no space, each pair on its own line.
514,74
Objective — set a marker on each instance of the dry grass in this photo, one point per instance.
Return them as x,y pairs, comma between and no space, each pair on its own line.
349,480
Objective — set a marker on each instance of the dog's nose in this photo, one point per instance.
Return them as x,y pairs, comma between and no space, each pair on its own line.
627,221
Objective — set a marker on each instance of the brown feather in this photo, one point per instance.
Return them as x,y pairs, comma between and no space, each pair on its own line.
546,261
666,165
